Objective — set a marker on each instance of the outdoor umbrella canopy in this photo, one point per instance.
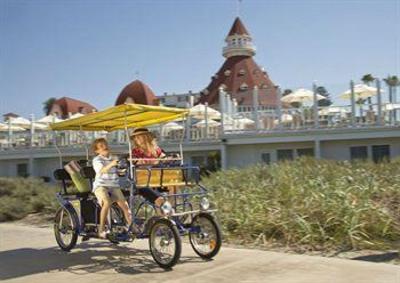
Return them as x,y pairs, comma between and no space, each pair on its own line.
6,128
245,121
173,126
199,111
49,119
392,106
40,126
361,91
301,95
211,123
332,110
121,116
20,121
76,115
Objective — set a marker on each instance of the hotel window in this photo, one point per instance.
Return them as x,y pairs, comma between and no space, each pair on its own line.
285,154
266,158
305,152
380,153
22,170
358,153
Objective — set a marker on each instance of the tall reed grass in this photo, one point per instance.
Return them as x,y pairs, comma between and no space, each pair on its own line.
21,196
318,204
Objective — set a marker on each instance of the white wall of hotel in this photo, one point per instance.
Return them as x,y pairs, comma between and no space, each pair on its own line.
236,150
270,139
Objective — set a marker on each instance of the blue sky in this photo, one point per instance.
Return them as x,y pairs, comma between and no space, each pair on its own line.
91,49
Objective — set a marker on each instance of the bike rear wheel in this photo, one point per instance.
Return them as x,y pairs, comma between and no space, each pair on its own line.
65,231
205,236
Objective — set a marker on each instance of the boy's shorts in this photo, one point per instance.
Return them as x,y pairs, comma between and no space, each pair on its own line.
109,194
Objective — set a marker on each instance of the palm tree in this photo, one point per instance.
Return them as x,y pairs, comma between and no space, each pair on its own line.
48,104
392,82
321,90
286,92
368,79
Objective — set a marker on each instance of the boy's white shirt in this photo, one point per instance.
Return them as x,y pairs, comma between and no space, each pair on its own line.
109,179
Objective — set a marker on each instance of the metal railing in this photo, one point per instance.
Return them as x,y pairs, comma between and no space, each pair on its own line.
269,120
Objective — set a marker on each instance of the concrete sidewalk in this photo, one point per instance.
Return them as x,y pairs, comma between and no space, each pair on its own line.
29,254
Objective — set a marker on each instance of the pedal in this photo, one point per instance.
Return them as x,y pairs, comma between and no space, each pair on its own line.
85,238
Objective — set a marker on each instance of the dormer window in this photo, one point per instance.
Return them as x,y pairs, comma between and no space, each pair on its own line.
227,73
242,72
244,86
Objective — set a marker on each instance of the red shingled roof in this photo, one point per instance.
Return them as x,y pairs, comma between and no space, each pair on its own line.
137,92
235,72
66,105
238,28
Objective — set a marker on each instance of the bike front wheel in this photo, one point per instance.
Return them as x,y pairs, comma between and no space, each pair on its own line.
165,243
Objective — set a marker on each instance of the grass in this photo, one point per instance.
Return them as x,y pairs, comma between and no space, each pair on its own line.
312,204
306,204
22,196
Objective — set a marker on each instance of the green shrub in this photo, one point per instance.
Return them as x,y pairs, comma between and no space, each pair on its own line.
21,196
318,204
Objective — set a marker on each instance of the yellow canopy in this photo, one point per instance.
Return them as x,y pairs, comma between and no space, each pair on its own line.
117,117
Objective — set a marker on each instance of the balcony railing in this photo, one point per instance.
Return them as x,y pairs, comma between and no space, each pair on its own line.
246,122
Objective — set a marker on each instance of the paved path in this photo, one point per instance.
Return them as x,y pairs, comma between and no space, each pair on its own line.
29,254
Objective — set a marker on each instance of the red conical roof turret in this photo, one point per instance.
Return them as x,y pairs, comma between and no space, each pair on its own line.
238,28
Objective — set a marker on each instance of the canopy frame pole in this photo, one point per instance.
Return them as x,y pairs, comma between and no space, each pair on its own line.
58,151
129,148
131,168
181,141
85,143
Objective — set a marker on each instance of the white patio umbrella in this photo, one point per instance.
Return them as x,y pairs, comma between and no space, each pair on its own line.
332,110
391,106
6,128
211,123
245,121
40,126
301,95
49,119
199,110
361,91
20,122
173,126
285,118
76,115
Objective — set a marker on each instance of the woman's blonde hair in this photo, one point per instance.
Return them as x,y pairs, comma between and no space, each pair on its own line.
148,143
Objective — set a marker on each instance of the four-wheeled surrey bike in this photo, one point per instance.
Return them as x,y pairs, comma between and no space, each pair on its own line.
185,211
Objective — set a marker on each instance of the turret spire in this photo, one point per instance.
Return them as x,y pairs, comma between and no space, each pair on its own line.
239,41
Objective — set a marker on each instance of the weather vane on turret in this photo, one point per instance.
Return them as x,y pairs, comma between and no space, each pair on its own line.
238,2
